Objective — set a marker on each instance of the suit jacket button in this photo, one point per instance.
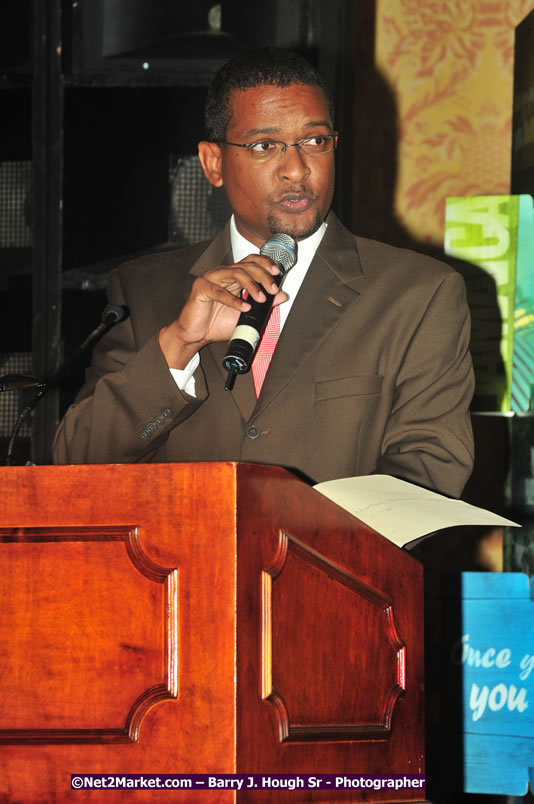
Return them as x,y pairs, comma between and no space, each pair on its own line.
252,432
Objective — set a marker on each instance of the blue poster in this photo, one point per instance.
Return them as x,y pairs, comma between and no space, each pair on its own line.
495,654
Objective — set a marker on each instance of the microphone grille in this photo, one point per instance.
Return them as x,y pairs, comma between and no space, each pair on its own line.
281,249
113,313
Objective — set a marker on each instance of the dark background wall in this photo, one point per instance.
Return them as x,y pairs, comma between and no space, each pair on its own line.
104,100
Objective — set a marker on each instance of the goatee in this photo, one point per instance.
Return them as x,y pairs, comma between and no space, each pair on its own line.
298,232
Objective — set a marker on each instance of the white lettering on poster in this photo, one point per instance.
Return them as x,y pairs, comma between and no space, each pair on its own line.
498,696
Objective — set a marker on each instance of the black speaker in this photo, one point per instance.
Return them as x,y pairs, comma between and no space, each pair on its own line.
175,36
15,38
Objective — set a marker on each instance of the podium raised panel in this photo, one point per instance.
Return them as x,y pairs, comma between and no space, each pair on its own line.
317,680
339,608
89,627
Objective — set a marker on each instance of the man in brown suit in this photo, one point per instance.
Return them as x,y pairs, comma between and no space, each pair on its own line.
371,373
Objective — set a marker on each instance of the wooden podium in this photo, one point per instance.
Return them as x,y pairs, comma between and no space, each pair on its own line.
200,618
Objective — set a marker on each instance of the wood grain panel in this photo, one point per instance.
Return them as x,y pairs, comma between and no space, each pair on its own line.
324,606
343,701
83,609
69,537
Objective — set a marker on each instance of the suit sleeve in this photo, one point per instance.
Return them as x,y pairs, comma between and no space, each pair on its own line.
129,402
428,438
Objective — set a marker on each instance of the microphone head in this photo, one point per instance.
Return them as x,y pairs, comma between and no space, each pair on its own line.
113,313
281,249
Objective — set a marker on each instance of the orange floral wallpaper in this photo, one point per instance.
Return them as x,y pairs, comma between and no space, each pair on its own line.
449,64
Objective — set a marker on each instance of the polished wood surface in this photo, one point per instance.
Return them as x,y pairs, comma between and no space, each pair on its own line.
201,618
341,654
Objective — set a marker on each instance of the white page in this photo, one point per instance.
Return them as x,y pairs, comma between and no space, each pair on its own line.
401,511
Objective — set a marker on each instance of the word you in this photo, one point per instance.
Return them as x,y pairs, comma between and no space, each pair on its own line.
499,696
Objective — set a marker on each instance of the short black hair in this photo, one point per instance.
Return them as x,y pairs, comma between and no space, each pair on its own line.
271,66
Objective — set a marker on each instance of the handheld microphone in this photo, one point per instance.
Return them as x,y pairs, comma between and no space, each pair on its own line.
113,313
282,250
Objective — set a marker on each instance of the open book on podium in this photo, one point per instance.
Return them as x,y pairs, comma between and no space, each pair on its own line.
187,619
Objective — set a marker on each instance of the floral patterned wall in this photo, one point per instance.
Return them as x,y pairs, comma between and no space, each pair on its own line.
449,67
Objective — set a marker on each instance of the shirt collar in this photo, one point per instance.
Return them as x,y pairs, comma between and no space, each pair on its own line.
241,247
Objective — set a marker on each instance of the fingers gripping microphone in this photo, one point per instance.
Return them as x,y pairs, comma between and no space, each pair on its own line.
282,250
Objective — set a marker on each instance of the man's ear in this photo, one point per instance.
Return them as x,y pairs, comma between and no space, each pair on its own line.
210,157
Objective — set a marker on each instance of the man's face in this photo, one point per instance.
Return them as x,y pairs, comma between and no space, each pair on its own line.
289,193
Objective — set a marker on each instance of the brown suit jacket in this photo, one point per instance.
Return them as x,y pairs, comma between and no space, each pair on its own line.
371,373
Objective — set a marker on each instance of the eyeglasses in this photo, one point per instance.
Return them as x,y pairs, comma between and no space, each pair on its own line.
262,150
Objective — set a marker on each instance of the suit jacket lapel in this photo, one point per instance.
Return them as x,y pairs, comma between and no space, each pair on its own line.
326,295
218,252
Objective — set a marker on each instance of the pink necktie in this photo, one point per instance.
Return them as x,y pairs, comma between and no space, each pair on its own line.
263,356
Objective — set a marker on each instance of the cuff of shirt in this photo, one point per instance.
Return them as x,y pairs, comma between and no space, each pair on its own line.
184,378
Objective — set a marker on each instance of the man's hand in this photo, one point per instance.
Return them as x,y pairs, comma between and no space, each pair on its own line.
214,305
